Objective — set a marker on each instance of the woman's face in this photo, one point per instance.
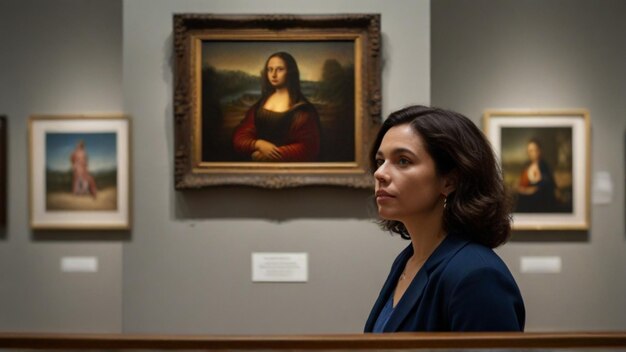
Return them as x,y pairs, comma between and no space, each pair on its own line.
277,72
534,153
407,183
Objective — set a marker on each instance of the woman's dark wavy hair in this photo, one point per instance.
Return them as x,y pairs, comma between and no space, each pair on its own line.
479,207
293,79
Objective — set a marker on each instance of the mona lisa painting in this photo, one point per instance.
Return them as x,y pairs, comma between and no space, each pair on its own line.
275,101
278,101
544,157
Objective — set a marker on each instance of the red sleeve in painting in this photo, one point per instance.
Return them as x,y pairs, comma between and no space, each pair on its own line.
304,137
245,134
524,181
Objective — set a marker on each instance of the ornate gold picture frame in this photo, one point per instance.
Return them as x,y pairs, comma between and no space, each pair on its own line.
228,131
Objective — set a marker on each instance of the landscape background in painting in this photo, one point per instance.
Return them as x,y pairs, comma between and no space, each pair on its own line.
556,146
231,84
102,164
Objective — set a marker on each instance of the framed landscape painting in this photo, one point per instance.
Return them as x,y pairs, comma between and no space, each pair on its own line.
544,157
79,175
275,101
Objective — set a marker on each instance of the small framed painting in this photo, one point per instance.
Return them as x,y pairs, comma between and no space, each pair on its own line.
544,157
79,175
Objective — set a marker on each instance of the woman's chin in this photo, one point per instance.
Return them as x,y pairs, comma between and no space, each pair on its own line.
386,215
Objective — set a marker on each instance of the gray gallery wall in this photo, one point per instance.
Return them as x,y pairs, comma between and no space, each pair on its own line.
188,267
57,57
185,265
549,55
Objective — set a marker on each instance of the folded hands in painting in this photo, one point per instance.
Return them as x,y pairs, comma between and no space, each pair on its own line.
527,190
265,151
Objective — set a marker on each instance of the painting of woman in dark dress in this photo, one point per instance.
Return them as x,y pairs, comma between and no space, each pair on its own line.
537,167
536,189
278,102
544,157
282,125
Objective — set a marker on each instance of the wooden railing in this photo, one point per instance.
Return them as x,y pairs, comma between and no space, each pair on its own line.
399,341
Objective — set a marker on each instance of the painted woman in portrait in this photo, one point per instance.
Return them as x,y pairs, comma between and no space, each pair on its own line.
283,126
536,189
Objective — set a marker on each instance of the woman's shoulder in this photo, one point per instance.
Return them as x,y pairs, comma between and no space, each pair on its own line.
543,165
472,258
255,107
303,106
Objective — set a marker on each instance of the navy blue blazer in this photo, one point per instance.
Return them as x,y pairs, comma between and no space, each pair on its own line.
462,286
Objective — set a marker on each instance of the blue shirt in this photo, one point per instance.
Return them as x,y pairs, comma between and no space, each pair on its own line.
384,315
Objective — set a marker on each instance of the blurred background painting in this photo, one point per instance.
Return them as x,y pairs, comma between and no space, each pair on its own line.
537,167
81,171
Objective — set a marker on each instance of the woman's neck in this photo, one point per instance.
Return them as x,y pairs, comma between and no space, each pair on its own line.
282,92
278,101
426,234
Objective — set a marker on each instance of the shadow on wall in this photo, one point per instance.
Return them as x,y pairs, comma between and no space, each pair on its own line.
275,205
80,235
240,202
550,236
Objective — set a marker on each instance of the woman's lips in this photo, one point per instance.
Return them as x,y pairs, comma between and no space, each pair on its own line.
380,195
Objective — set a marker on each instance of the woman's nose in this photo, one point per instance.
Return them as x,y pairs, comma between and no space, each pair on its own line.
381,175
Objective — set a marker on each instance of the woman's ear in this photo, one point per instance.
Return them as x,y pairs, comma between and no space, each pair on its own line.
450,182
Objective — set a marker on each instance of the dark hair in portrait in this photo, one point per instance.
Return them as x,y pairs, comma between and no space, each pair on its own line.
293,78
479,207
535,141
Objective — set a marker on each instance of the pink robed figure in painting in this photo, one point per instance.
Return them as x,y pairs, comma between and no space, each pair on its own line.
82,181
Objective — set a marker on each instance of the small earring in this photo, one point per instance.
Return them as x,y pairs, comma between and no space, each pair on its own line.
445,201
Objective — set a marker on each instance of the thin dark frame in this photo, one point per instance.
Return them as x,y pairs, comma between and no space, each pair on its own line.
3,171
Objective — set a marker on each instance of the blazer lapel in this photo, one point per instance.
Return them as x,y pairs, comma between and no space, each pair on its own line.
388,287
450,245
407,302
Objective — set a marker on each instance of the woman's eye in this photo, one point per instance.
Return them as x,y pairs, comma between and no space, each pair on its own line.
379,162
404,161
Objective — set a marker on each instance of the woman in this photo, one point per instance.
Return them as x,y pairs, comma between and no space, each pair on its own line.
536,189
439,186
282,125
